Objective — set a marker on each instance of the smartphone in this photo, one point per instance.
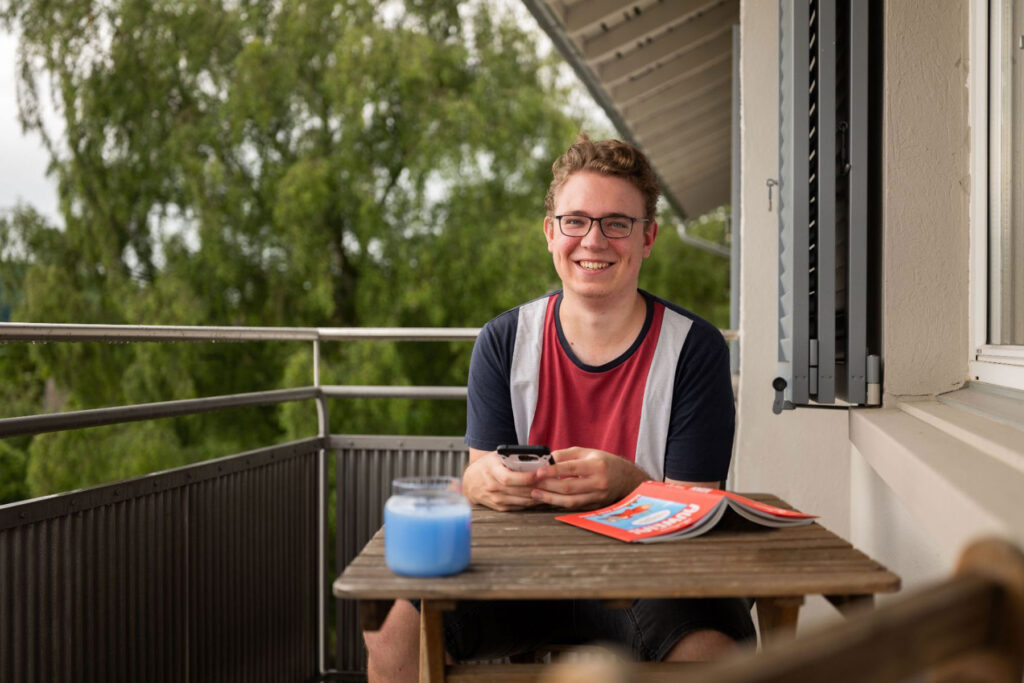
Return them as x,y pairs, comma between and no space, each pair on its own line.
524,458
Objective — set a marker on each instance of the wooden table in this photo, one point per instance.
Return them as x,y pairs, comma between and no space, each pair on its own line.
530,556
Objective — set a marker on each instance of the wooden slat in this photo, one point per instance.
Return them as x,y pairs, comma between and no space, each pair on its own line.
682,91
701,174
650,672
696,109
887,645
682,65
706,26
589,13
712,128
654,21
703,184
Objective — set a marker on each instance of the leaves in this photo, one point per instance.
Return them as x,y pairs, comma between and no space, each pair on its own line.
289,163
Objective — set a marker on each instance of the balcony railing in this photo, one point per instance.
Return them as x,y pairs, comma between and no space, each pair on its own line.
217,571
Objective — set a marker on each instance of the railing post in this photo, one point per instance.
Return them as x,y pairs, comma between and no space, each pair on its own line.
322,507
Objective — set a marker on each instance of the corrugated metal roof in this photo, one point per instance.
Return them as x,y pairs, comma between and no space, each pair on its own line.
662,70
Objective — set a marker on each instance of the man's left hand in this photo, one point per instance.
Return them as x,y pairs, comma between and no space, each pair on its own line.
585,477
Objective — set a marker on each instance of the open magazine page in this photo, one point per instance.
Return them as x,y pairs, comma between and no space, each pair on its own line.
660,511
763,510
653,511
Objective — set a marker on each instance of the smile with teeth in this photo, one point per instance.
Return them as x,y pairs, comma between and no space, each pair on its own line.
593,265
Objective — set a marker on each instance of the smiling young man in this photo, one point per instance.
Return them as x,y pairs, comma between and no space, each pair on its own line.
622,386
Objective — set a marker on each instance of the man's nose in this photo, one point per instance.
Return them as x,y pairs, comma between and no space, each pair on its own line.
594,238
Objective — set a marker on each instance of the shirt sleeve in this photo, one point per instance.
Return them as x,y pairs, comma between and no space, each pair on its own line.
703,418
489,418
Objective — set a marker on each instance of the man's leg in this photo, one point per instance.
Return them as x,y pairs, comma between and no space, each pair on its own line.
701,646
394,651
669,629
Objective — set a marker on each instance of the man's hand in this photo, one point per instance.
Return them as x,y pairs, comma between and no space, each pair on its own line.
585,477
487,482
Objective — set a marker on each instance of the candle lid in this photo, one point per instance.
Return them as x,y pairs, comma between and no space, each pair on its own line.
428,487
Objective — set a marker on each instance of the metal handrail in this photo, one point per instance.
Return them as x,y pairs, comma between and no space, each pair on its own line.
46,332
96,417
372,391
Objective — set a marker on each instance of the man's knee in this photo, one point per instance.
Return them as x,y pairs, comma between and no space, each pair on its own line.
393,651
701,646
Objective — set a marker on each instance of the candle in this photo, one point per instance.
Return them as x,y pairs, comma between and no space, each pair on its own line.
426,527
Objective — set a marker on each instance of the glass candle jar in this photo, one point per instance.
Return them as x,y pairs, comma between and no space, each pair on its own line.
426,527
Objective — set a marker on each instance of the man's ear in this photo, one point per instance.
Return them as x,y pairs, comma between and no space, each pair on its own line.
549,230
650,234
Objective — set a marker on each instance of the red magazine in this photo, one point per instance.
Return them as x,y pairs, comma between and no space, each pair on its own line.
658,511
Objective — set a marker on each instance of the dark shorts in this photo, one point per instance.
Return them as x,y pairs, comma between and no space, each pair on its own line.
649,628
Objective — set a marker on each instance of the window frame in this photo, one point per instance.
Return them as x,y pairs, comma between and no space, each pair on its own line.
990,363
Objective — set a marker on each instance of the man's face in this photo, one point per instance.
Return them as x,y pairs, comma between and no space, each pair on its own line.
595,266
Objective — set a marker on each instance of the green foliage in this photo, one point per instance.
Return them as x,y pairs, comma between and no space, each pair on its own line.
690,276
292,163
13,463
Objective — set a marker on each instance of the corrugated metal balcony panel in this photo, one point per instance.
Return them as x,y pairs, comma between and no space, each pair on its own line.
86,597
207,573
365,467
259,539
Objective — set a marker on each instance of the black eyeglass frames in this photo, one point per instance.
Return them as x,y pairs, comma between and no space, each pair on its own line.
612,227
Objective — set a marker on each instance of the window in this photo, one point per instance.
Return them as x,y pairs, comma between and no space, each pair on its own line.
998,211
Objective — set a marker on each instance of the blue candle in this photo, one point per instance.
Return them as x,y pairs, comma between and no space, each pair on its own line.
426,528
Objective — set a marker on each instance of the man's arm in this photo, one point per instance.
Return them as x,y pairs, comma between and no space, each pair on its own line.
586,477
487,482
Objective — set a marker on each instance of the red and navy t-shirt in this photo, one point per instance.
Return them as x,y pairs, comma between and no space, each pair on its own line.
666,403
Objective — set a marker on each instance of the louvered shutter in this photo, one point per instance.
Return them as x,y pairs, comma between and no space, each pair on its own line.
823,203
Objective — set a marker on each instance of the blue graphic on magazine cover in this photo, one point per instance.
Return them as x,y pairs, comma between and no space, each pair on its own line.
642,512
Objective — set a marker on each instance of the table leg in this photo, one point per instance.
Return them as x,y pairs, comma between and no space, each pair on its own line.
777,616
431,641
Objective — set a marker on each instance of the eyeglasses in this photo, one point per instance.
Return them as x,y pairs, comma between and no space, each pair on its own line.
612,227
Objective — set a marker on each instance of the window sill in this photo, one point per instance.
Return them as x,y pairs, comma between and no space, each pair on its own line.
956,463
999,365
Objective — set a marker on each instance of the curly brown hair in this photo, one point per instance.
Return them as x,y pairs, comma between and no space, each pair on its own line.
610,157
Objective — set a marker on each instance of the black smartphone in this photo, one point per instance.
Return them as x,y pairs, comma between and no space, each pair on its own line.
524,458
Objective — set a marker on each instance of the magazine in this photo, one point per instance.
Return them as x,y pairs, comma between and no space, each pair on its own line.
659,511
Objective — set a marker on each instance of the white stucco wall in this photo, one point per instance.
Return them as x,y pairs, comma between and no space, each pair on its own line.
879,498
882,527
926,193
802,455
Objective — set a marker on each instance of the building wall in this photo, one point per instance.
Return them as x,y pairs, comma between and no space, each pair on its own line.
913,482
926,194
779,453
802,456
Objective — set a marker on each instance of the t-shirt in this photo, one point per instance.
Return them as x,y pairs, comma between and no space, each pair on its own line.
666,403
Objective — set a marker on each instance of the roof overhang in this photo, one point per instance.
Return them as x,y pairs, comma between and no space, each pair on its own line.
662,71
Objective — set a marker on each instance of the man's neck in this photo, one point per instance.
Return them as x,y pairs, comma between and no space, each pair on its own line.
600,330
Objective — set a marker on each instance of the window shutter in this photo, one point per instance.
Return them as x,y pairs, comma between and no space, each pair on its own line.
823,204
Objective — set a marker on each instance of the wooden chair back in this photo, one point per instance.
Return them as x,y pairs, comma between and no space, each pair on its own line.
969,627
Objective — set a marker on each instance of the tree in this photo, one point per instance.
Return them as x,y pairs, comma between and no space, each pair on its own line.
290,163
297,162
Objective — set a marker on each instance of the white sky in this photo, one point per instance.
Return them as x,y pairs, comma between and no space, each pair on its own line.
22,158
